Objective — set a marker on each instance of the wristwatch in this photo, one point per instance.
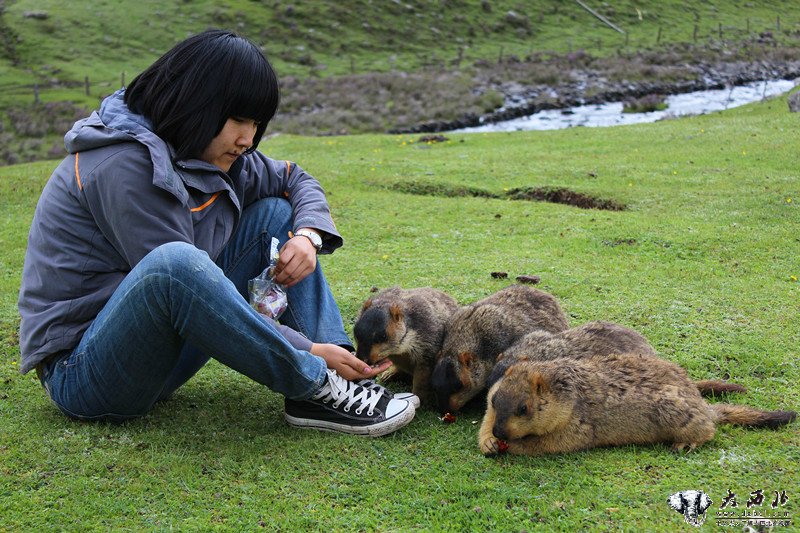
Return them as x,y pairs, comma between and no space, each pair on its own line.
312,236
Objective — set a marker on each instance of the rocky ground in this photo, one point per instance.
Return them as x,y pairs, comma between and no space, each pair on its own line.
446,99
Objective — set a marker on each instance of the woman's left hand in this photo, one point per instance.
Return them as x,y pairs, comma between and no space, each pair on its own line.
297,259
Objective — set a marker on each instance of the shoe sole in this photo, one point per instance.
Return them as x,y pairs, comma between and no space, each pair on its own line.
375,430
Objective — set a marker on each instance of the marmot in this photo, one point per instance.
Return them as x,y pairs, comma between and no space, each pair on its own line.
407,326
592,338
478,333
565,405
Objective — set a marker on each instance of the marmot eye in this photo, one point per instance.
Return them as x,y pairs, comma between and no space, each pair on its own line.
522,410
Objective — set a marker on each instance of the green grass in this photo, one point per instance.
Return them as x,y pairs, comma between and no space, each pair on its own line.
104,40
703,262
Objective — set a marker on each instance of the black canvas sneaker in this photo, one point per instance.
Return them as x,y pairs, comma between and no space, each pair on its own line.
410,397
343,406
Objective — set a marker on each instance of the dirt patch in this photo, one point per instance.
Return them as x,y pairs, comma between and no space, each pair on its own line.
556,195
440,189
620,242
560,195
433,139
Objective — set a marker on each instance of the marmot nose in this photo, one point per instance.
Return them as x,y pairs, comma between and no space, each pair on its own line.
499,432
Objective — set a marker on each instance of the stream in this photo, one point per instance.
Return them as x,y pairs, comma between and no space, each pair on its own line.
610,114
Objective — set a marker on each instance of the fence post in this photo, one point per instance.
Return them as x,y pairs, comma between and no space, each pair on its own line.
122,79
86,84
36,93
460,57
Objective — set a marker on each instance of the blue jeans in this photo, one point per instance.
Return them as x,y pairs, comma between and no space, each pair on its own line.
177,308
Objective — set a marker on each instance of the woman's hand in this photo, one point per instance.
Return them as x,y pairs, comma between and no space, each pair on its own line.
346,364
297,259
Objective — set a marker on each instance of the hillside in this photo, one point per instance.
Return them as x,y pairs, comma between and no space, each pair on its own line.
392,66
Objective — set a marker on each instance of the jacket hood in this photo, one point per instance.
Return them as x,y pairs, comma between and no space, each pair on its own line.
114,123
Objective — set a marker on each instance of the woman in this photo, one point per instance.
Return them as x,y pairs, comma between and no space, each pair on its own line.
144,239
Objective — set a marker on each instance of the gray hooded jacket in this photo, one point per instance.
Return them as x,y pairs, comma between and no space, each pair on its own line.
120,194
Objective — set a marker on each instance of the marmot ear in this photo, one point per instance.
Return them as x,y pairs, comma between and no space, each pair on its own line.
539,384
366,305
395,312
466,358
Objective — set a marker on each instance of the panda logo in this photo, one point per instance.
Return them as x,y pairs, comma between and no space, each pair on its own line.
692,504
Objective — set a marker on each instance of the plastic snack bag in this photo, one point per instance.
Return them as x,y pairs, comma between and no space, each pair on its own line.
266,295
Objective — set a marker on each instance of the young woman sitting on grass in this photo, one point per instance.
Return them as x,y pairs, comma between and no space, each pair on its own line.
146,235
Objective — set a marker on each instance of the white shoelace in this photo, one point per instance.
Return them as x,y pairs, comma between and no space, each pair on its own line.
341,390
373,386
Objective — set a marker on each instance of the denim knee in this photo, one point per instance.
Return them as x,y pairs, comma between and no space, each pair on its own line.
174,254
176,260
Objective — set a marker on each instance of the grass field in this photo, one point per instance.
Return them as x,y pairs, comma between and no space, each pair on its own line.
703,262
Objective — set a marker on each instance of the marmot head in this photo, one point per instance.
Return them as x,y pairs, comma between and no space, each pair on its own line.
380,331
456,380
462,366
531,400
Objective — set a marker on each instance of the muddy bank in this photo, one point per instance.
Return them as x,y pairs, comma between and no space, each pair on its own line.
593,87
443,99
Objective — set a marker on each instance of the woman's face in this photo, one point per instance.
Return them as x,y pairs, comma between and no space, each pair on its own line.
236,137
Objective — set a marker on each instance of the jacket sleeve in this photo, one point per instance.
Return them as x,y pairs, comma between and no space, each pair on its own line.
270,178
131,213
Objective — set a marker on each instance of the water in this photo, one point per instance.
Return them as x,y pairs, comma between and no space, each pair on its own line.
610,114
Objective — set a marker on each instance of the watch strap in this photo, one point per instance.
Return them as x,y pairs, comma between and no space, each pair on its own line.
315,239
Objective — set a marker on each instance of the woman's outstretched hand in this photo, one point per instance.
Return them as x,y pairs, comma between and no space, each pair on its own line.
346,364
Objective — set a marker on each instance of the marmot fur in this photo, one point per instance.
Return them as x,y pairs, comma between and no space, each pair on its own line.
592,338
478,333
407,326
565,405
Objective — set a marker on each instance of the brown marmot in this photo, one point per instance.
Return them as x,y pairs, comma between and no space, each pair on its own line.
565,405
478,333
592,338
407,326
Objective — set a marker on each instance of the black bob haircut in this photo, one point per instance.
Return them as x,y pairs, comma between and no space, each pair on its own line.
192,90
